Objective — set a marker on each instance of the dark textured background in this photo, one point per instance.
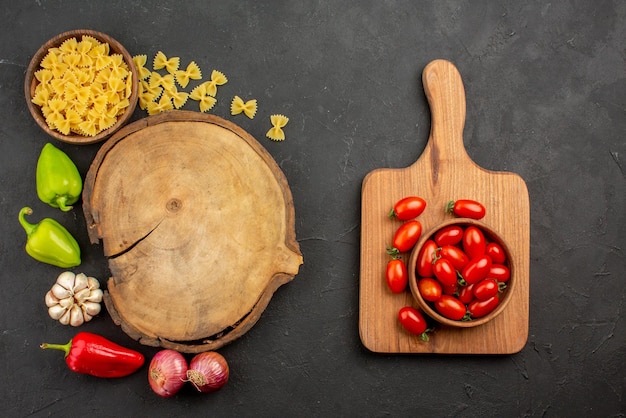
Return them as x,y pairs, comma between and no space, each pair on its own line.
545,85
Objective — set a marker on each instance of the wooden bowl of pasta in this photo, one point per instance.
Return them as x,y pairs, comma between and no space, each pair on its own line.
81,86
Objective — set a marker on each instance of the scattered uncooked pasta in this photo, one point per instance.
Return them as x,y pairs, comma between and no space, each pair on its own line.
178,98
158,91
161,61
164,103
157,80
201,94
217,79
276,132
140,63
83,88
192,72
238,106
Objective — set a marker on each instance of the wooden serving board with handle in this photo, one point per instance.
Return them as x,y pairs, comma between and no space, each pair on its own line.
443,172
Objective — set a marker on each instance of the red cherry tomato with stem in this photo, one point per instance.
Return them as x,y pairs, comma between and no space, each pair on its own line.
480,308
449,235
408,208
445,272
450,307
414,322
455,255
429,288
397,275
499,272
486,289
466,208
496,252
466,294
425,258
406,236
477,269
474,243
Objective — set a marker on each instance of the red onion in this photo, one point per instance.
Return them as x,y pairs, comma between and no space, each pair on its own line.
167,373
208,371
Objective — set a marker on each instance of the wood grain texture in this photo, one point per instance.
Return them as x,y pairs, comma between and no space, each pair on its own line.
197,221
443,172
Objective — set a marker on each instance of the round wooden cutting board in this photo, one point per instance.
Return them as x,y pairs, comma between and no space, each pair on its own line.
197,222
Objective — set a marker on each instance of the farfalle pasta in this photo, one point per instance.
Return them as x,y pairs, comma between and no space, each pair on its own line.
201,94
276,132
140,63
162,105
82,87
158,91
238,106
192,72
217,79
178,98
157,80
161,61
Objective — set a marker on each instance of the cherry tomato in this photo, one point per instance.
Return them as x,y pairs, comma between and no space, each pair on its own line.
450,307
429,288
397,276
499,272
450,289
485,289
413,321
496,252
455,255
406,236
466,208
480,308
408,208
466,294
445,272
473,242
449,235
424,267
477,269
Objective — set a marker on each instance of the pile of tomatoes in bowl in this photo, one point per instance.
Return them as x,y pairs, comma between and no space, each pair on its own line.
460,274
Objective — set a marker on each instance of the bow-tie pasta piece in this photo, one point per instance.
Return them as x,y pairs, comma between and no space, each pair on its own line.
178,98
201,94
140,63
161,61
238,106
217,79
164,103
276,132
192,72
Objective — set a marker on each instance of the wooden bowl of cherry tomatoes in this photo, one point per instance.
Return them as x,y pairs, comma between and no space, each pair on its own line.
461,273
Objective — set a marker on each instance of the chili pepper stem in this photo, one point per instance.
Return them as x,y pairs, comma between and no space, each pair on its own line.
63,347
28,227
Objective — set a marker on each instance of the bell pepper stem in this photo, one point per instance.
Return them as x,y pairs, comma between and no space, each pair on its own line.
61,202
28,227
62,347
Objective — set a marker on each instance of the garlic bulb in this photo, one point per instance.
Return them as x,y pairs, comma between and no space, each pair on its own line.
74,299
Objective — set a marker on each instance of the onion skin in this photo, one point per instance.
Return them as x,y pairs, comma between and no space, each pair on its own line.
167,373
208,371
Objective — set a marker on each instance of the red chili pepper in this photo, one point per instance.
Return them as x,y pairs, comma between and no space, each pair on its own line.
92,354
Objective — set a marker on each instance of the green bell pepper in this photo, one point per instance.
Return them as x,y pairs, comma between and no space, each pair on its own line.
58,181
49,242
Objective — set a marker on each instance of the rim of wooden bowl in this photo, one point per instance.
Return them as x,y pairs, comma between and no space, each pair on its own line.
492,235
31,83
